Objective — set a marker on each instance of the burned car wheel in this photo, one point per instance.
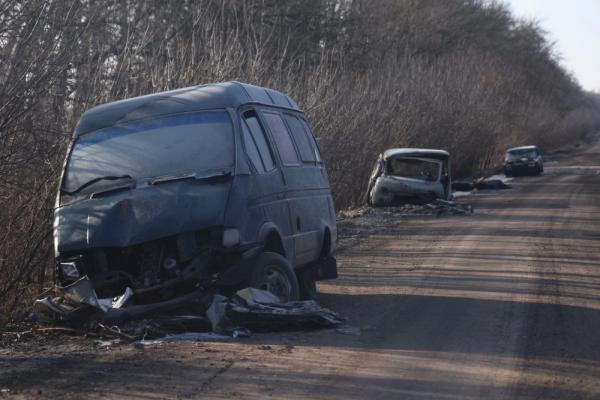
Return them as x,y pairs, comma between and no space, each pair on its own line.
272,272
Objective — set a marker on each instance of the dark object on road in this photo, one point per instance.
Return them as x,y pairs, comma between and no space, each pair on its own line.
415,176
218,186
525,160
462,186
490,184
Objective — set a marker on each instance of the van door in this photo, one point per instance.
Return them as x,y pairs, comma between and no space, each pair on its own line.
307,186
268,190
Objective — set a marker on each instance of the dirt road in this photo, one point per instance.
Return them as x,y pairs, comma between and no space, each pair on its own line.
504,304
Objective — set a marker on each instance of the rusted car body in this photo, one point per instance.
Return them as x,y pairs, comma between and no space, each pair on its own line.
217,186
410,176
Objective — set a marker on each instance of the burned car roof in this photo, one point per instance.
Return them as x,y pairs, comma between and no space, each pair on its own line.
194,98
522,148
408,152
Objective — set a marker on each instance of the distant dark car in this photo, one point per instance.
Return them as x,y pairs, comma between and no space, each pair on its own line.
218,186
525,160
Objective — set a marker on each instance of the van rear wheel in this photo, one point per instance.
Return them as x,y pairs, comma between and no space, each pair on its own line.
272,272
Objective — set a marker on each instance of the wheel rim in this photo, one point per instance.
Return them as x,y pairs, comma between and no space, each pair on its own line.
275,281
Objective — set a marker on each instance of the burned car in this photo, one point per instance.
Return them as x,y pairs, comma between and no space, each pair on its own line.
523,160
217,186
410,176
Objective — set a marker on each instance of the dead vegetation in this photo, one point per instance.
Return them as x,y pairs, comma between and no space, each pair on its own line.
465,76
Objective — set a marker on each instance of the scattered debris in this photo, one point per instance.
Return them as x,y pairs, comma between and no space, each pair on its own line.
198,315
490,184
253,309
181,337
443,207
437,207
261,311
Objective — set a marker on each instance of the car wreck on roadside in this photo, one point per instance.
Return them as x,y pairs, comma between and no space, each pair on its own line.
213,187
408,175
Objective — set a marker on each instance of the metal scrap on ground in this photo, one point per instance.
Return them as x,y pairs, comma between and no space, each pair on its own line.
437,207
248,310
495,182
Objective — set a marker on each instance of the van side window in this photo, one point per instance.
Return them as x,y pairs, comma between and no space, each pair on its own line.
256,136
282,138
252,149
312,140
300,136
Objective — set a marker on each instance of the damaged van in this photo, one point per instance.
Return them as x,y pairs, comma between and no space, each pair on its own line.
410,176
220,186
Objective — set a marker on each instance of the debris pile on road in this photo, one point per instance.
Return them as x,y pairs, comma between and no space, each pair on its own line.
490,184
246,311
437,207
496,182
261,311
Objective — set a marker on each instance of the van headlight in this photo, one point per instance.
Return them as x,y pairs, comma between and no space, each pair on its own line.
231,237
69,269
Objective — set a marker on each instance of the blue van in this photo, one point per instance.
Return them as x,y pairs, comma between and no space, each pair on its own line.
218,186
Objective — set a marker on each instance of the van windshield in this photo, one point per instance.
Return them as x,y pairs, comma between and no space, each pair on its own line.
415,168
168,146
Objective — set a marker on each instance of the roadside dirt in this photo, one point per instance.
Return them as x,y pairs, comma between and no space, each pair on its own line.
502,304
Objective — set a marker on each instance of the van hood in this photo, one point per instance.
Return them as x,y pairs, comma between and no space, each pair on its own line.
140,215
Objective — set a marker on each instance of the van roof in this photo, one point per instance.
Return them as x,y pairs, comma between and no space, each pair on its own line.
408,152
195,98
522,148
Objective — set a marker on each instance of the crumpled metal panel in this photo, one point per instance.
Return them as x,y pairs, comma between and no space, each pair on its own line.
140,215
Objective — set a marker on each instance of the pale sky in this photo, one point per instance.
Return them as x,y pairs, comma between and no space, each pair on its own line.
575,27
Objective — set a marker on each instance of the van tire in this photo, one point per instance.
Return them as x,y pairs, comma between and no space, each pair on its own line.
274,273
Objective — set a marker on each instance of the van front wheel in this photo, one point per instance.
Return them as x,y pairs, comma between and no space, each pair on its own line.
272,272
